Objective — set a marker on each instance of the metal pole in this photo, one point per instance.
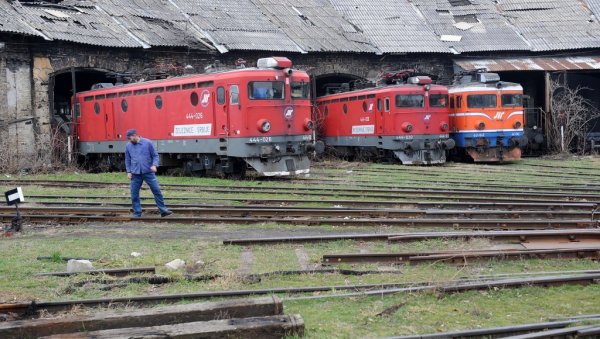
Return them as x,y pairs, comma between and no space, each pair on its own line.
73,115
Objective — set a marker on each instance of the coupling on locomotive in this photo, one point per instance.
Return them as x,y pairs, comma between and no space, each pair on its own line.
224,122
263,118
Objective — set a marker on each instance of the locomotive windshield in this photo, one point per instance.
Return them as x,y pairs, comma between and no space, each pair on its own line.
512,100
438,100
482,101
411,100
300,90
266,90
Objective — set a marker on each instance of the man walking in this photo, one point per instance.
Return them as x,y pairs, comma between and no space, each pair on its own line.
141,161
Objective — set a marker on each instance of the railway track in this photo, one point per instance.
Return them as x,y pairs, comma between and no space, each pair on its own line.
375,188
315,212
575,235
462,257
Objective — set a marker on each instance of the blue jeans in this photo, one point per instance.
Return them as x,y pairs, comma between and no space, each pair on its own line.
136,184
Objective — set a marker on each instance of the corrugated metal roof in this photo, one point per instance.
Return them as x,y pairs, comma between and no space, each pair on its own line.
154,22
488,30
77,24
11,22
315,26
594,6
393,26
531,64
236,24
553,24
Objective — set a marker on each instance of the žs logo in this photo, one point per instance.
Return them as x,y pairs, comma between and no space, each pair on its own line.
205,98
288,112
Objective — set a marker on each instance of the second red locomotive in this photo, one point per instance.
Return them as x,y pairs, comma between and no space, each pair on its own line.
258,117
408,122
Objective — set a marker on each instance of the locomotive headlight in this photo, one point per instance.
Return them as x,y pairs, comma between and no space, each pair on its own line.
517,124
264,125
444,126
407,127
480,125
309,124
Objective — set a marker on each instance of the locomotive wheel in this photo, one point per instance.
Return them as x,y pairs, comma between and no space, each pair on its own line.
237,170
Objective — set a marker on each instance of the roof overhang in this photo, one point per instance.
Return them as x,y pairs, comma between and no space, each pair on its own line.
579,63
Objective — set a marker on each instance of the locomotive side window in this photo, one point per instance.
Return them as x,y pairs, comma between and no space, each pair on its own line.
300,90
387,104
512,100
345,108
266,90
194,99
364,106
97,108
482,101
220,95
124,105
234,95
77,110
451,102
379,105
410,100
458,101
158,102
438,100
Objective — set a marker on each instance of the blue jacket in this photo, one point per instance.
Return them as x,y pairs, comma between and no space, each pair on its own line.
140,157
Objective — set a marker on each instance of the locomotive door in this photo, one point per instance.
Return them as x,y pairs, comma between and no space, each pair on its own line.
221,113
109,120
233,108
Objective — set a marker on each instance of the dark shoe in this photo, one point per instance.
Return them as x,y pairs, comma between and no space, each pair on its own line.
166,214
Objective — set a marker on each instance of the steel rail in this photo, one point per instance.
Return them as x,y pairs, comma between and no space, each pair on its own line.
509,205
372,289
569,235
117,272
324,191
451,223
267,212
497,332
461,257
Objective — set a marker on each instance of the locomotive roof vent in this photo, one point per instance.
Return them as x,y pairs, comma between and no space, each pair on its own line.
487,77
419,80
274,62
102,85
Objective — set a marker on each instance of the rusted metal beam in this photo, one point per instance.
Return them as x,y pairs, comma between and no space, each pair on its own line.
461,257
117,272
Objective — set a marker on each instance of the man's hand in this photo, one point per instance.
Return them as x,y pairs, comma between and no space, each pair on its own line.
153,169
129,176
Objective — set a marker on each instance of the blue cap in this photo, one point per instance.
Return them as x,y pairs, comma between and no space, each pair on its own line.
131,132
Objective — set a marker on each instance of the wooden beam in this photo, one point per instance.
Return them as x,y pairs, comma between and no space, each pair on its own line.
166,315
271,327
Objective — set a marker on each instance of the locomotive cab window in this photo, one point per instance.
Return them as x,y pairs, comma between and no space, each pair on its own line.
410,100
387,104
300,90
512,100
266,90
481,101
77,110
234,95
438,100
220,95
194,99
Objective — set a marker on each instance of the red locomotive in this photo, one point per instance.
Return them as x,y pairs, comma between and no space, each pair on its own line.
408,122
224,121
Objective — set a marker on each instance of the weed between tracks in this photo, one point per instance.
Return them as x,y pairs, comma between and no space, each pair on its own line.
111,244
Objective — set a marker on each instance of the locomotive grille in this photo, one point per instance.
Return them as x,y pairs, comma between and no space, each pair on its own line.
290,165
